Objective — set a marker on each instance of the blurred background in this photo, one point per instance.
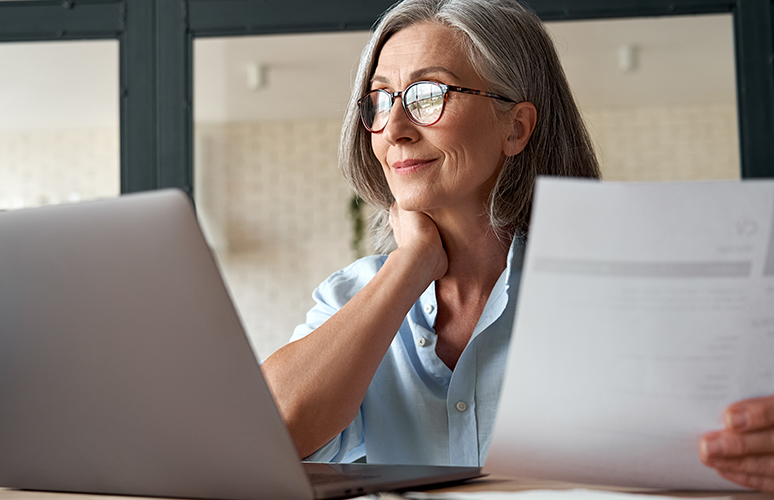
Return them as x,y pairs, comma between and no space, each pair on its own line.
658,95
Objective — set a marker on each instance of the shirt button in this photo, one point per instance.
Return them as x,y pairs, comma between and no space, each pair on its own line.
461,406
429,308
421,342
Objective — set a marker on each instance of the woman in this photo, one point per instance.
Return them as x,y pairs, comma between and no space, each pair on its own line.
457,107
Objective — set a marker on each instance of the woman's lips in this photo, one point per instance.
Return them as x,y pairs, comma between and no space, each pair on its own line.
409,166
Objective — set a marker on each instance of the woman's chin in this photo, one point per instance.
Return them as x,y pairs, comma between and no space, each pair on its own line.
415,201
412,206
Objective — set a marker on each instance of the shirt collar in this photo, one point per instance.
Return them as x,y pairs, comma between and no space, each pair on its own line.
499,297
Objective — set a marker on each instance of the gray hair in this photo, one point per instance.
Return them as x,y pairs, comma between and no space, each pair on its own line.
510,49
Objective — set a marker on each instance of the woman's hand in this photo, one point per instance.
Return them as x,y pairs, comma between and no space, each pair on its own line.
743,452
416,233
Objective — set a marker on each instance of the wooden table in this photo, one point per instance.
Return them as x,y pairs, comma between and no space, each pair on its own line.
501,483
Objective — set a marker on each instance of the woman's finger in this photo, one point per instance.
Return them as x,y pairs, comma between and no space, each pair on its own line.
730,444
762,483
758,465
395,222
750,414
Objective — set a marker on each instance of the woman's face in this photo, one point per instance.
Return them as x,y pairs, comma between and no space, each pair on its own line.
453,164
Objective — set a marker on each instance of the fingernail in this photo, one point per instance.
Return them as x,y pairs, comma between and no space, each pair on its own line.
712,447
737,420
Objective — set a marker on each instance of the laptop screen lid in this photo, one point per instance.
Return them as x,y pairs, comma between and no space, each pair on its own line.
124,368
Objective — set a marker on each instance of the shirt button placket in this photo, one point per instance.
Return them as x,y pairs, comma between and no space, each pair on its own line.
462,414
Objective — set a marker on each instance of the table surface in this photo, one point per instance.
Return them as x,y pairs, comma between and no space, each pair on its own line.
501,483
490,483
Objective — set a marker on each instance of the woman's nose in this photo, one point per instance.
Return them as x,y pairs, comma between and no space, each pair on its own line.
399,127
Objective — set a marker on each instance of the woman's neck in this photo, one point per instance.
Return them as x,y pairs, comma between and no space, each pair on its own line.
477,256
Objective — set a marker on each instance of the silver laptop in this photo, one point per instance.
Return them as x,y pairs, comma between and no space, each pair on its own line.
124,368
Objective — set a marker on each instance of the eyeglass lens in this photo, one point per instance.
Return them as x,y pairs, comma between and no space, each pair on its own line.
423,101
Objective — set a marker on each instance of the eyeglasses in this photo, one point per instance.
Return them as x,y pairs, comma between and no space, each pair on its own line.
423,103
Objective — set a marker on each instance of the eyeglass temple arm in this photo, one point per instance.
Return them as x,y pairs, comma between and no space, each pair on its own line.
465,90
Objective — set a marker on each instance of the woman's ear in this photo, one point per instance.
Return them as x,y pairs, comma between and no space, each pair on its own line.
523,117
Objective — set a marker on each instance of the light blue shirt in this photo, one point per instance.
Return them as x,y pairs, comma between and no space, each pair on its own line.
417,410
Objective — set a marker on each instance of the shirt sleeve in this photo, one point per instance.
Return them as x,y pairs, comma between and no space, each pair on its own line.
329,297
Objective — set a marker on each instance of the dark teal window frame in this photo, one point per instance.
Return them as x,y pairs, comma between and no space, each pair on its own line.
156,60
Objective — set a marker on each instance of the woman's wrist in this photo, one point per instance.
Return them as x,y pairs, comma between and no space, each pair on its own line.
420,267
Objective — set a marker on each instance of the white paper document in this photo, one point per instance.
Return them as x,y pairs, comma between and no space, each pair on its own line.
643,311
575,494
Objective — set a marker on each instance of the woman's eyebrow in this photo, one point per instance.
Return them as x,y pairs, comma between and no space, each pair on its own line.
380,79
416,75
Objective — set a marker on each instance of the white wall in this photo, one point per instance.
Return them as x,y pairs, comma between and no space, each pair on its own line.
49,166
274,202
666,143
